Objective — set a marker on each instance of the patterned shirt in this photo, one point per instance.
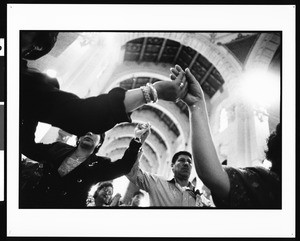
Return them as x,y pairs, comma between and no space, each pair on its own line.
251,187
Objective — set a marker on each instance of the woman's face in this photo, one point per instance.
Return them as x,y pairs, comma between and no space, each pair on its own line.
104,195
89,140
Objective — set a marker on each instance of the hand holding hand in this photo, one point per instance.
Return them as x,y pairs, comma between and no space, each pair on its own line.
172,90
142,131
194,92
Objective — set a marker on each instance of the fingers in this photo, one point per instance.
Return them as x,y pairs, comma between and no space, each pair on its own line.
183,92
118,195
177,75
174,71
190,77
178,68
185,89
172,77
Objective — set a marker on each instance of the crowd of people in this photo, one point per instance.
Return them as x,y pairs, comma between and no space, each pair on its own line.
75,176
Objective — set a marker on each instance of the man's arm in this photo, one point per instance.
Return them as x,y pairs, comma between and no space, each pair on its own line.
142,179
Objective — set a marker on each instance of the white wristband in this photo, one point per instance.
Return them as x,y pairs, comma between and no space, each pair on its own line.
146,92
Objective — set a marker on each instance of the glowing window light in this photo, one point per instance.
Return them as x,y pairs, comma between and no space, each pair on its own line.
223,120
51,73
260,87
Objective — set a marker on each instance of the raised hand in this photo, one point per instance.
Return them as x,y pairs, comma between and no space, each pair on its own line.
142,131
171,90
194,92
115,200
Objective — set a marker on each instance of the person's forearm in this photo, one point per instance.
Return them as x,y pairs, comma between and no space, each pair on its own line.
134,99
163,90
125,164
207,164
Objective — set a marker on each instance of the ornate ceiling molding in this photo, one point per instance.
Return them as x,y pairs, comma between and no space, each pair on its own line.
217,55
263,51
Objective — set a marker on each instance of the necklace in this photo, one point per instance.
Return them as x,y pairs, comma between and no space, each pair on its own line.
70,163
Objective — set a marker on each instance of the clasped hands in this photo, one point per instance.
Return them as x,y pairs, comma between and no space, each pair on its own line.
191,91
142,131
183,85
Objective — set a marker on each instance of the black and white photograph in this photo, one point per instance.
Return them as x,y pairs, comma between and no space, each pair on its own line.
121,117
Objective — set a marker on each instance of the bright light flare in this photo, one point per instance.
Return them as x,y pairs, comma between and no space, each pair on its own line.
260,87
51,73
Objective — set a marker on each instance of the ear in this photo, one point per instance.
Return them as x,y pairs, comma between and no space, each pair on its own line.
172,167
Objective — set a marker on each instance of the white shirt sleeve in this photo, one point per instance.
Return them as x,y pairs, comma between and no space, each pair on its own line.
144,180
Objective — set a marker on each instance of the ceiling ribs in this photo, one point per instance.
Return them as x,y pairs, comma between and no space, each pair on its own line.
164,50
193,60
177,54
207,74
143,50
133,82
161,51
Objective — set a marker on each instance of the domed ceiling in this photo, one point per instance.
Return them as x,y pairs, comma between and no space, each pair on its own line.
169,121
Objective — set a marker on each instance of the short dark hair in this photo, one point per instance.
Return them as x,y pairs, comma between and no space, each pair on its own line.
176,155
102,138
101,185
274,149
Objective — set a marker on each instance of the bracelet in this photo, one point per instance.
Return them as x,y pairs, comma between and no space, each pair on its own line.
153,93
146,92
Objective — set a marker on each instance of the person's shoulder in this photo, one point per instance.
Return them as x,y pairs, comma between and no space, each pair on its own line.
247,171
61,145
99,160
256,169
34,75
152,177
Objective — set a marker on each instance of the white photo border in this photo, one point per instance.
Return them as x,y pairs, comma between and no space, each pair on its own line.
151,222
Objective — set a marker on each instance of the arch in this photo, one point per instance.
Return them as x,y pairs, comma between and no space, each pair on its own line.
224,62
263,51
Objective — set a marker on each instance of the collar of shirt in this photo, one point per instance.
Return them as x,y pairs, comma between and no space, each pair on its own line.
190,188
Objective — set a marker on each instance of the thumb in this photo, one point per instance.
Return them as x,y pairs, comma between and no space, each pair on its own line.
190,77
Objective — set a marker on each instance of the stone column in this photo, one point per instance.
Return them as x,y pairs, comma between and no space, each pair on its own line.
242,140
